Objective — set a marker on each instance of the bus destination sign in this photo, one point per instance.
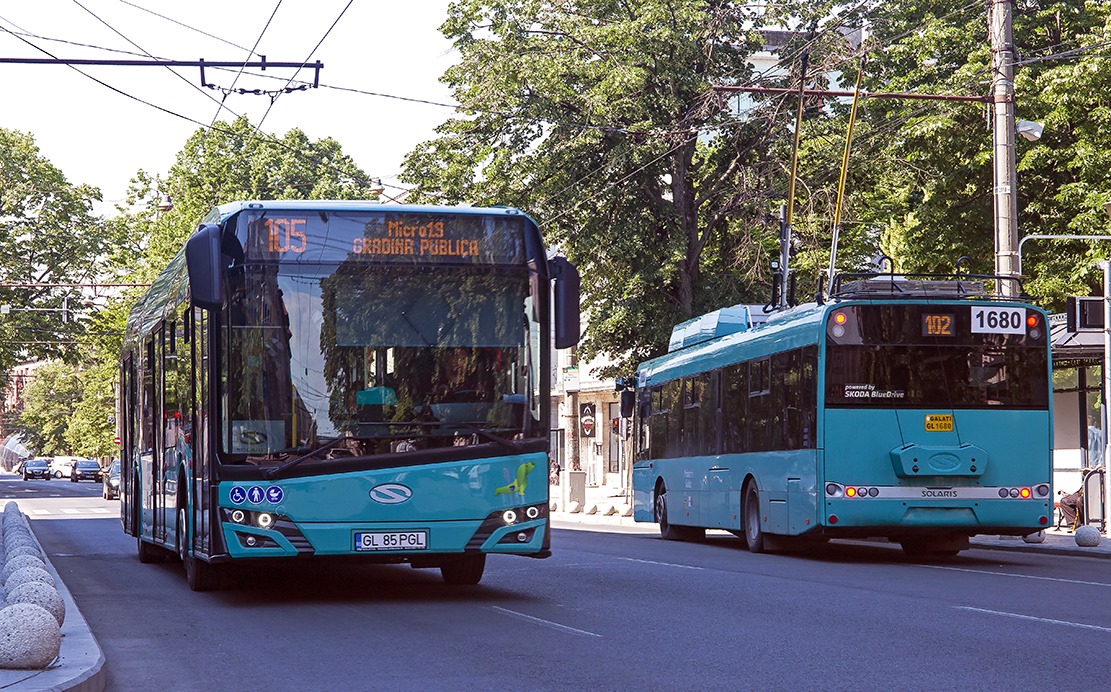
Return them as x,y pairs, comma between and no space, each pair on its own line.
394,237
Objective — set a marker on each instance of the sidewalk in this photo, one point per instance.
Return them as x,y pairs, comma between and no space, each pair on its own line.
607,504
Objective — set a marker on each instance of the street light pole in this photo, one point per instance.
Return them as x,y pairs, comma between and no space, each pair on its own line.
1003,90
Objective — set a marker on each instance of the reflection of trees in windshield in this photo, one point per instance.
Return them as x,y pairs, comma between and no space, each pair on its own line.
264,412
414,357
395,358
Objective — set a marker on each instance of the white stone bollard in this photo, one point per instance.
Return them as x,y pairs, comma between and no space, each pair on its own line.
21,576
30,637
1087,536
19,562
44,595
1036,537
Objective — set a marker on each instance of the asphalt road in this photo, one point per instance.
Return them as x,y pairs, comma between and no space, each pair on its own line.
614,608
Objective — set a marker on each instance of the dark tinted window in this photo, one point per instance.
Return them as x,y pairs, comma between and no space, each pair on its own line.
921,356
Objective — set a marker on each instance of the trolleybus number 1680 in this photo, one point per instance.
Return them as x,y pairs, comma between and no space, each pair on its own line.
988,319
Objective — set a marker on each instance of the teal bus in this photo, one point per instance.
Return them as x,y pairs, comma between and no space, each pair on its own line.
319,379
909,408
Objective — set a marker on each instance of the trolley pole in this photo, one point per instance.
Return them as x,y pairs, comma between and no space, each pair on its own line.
1003,91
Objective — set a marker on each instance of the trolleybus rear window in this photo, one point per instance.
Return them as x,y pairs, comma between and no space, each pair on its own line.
922,356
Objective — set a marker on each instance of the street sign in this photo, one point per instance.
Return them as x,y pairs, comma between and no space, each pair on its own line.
116,439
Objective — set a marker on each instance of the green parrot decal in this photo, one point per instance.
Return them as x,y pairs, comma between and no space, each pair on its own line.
521,483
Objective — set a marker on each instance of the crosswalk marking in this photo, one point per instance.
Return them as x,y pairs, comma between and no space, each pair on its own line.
69,510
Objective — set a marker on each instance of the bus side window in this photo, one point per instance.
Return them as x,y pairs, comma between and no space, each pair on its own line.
735,408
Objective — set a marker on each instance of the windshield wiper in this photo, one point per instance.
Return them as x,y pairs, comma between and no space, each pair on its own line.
272,473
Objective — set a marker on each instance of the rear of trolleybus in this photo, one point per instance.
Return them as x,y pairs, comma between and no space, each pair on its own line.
936,423
382,386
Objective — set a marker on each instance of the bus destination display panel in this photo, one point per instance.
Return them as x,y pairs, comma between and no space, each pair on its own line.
376,237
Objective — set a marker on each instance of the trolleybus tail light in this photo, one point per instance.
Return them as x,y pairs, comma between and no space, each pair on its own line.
850,491
1041,490
833,518
1032,324
839,320
1024,493
834,490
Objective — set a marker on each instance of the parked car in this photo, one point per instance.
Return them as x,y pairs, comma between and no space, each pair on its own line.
86,470
112,481
36,468
62,466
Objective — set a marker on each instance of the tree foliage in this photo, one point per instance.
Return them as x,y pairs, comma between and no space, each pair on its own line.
600,119
48,235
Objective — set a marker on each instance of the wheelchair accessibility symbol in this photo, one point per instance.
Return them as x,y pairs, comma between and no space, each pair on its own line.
237,495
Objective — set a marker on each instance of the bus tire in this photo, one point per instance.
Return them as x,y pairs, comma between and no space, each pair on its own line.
669,531
149,553
934,546
200,575
464,571
754,532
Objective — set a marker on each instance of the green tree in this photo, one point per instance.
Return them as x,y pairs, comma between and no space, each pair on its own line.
49,402
600,119
48,235
921,187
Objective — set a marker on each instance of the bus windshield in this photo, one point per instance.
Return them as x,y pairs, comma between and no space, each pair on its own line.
392,358
930,356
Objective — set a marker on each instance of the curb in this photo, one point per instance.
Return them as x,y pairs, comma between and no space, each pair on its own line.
80,663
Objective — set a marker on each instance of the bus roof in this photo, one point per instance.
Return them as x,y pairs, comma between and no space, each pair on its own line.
224,211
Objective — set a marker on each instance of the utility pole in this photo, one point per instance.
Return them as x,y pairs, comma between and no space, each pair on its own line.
1003,136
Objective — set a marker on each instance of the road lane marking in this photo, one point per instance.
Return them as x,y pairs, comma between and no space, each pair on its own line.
1036,619
38,511
1019,576
541,621
662,564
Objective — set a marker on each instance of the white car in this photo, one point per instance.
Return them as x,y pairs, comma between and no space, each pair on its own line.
62,467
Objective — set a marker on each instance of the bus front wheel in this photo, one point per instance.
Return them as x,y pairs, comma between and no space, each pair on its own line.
464,571
200,575
754,532
669,531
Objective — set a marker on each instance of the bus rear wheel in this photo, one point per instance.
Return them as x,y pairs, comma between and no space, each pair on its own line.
754,532
200,575
934,546
149,553
464,571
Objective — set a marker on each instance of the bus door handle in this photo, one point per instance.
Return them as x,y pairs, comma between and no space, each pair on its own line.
718,468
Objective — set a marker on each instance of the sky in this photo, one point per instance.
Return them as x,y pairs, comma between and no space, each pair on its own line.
101,135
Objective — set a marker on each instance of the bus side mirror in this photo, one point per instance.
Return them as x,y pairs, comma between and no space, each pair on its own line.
628,403
206,275
566,301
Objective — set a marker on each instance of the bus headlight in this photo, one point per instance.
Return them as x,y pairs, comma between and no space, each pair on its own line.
509,516
238,516
532,512
264,520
